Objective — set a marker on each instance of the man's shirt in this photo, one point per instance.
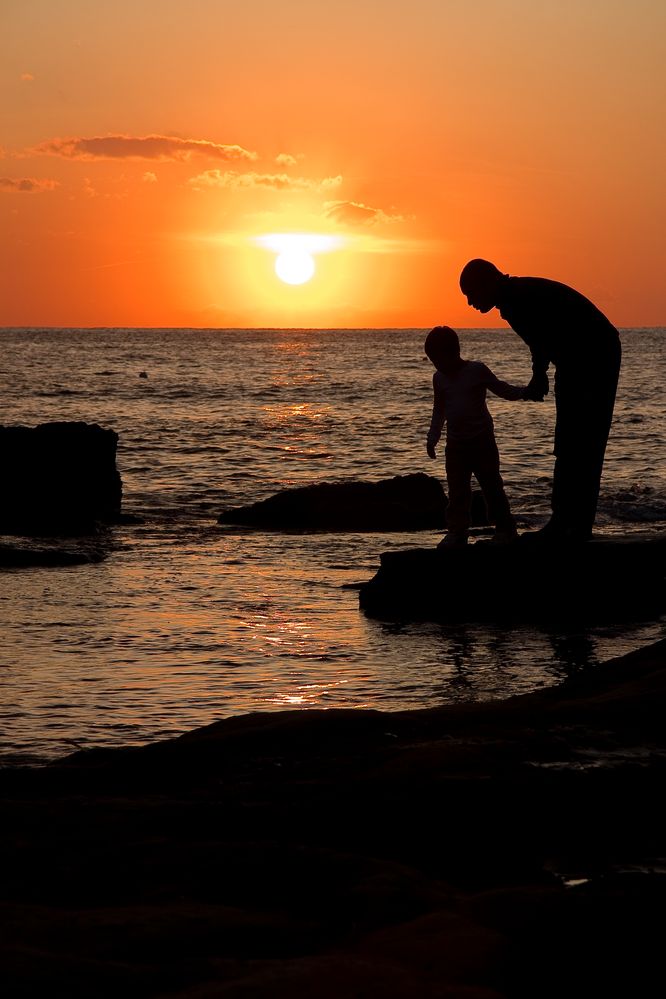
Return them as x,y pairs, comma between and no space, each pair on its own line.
558,324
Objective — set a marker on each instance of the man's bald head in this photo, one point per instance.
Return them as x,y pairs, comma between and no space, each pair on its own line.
480,283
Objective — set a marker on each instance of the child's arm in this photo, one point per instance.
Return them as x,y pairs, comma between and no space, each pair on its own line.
504,389
438,417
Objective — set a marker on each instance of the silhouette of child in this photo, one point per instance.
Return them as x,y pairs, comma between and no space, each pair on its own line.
460,401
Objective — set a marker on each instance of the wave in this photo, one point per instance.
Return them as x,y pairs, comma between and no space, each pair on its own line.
638,504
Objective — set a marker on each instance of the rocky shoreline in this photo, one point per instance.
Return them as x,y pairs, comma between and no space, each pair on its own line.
506,849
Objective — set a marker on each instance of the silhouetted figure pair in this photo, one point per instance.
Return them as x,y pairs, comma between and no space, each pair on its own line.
563,328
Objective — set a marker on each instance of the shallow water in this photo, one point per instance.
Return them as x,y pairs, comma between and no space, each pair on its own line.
187,622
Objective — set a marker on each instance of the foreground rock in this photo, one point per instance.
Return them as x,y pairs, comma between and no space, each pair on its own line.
508,849
605,579
58,478
403,503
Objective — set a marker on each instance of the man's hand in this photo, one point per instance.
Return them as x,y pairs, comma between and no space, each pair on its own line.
430,448
537,388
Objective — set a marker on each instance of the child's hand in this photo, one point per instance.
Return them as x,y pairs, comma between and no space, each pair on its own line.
537,388
430,448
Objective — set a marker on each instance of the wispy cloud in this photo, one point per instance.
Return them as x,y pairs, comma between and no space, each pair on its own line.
274,181
142,147
287,160
27,77
26,185
354,212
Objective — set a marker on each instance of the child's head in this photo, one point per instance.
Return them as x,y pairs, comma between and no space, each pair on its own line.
442,347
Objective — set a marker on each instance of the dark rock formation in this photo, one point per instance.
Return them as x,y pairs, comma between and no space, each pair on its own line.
58,478
29,556
599,580
506,850
404,503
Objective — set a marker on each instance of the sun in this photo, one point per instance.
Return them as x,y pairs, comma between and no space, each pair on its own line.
295,265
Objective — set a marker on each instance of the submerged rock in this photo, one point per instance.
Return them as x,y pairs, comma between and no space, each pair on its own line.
604,579
29,556
58,478
403,503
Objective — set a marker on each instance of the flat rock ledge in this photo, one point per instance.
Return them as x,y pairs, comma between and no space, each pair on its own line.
603,579
403,503
504,850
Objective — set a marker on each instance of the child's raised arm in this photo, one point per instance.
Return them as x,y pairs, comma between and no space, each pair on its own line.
504,389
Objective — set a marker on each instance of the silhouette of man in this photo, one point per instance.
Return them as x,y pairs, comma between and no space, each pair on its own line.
563,328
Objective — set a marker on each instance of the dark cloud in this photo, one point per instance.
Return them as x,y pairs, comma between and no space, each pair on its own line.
27,185
146,147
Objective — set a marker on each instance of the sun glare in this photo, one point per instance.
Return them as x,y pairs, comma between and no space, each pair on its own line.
295,263
295,266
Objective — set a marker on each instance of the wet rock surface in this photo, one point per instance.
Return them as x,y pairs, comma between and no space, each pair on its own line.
507,849
17,555
604,579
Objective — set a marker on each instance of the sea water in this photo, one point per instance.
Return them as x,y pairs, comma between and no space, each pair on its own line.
187,621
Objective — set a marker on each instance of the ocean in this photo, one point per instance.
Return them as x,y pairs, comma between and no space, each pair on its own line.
187,621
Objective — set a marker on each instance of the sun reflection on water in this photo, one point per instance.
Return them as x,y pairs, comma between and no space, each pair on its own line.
308,695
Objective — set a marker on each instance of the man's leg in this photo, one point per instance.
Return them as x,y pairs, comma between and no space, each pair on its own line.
585,401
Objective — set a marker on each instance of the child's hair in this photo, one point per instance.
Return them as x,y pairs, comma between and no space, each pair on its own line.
442,343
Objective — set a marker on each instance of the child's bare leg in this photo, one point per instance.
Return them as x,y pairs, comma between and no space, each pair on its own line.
487,471
459,481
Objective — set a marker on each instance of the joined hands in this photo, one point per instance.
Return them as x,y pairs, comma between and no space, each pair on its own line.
537,388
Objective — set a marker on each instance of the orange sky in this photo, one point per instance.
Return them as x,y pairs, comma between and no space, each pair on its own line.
147,144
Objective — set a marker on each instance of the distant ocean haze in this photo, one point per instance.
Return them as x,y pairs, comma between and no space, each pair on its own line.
188,621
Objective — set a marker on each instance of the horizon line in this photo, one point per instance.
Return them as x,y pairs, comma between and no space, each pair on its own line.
259,329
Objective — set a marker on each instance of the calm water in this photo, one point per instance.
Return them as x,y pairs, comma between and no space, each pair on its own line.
188,622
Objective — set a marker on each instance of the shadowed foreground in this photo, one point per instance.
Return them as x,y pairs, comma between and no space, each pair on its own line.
508,849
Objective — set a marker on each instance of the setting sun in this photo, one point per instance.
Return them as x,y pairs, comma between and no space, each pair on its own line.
295,266
295,262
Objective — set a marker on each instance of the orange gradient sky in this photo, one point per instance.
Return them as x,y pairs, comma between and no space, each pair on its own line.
149,147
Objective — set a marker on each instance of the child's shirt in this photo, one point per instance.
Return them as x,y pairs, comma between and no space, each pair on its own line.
460,401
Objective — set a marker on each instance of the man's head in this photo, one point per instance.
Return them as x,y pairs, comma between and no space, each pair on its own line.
442,346
480,283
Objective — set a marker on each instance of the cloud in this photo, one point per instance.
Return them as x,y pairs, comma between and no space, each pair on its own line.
27,77
145,147
354,212
27,185
287,160
149,177
273,181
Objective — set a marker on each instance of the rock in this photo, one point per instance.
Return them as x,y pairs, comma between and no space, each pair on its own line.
58,478
604,579
403,503
479,850
29,556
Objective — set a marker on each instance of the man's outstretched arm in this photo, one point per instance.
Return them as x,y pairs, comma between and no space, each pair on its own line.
538,386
